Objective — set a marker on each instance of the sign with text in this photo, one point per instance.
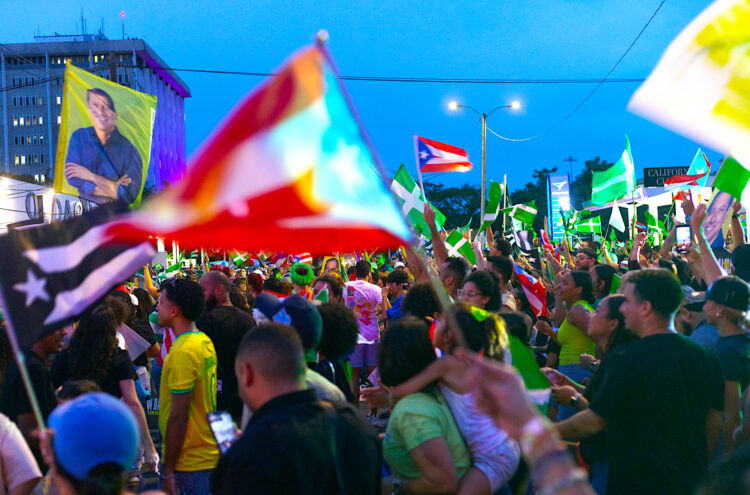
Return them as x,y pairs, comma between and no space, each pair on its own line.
558,199
655,176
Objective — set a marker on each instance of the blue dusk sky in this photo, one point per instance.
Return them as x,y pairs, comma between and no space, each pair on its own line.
510,39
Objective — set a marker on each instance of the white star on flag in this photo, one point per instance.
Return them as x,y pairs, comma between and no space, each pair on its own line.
423,155
34,288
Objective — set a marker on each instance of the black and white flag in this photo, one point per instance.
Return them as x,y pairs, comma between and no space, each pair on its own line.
522,240
50,274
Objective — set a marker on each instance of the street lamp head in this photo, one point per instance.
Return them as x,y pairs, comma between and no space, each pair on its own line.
453,105
515,105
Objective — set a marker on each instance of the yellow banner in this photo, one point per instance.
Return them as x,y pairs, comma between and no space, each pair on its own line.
105,139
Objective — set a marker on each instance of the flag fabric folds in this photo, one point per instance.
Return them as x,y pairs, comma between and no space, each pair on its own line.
458,246
315,185
733,178
535,291
591,225
434,156
699,87
615,219
494,203
412,202
615,182
696,176
546,243
655,225
524,213
52,273
523,360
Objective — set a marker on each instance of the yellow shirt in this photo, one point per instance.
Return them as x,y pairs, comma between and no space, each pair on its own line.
574,342
190,368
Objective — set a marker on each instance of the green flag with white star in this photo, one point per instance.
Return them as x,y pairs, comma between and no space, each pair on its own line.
457,245
412,201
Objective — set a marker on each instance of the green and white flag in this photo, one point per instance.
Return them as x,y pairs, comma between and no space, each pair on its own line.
458,246
655,225
537,385
591,225
615,182
412,201
524,213
492,209
465,228
240,258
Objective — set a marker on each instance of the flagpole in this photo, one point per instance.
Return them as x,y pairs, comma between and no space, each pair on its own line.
419,169
505,199
21,362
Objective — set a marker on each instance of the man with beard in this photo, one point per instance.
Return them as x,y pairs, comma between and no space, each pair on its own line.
225,325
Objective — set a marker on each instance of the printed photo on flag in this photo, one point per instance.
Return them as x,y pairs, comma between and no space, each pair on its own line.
105,139
716,215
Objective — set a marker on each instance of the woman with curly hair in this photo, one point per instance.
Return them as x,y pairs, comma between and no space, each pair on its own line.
340,331
93,354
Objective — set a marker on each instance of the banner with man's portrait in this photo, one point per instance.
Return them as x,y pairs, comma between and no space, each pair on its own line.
105,139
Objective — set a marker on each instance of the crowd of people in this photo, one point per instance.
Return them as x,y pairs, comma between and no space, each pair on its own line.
403,375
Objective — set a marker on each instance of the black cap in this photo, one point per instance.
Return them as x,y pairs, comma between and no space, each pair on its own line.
732,292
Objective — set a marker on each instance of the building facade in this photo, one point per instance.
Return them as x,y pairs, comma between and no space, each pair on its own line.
32,75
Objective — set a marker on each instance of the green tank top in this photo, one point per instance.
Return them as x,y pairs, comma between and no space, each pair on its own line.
573,341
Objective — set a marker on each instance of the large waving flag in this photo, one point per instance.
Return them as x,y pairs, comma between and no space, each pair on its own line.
696,176
535,291
615,182
434,156
290,169
699,88
50,274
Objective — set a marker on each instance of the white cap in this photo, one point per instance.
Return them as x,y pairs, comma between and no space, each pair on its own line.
399,264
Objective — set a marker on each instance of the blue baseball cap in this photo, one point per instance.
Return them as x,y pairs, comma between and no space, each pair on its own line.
91,430
295,311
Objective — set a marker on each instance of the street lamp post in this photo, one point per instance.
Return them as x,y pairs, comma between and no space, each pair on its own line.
454,106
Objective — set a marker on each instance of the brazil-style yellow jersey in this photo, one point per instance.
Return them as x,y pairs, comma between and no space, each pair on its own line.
190,368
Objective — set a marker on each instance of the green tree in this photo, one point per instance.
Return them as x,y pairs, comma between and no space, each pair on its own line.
580,190
458,204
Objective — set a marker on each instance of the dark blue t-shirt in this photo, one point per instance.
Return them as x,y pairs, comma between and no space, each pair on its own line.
117,157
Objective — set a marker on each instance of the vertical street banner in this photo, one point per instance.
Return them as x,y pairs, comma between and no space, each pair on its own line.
558,201
105,139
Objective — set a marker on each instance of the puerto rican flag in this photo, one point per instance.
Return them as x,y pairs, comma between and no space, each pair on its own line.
546,244
535,291
433,156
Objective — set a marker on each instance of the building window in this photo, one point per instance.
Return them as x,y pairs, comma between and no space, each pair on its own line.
42,176
33,120
21,121
28,139
40,120
41,139
59,99
40,101
41,159
14,101
33,140
59,120
16,159
23,159
15,121
36,177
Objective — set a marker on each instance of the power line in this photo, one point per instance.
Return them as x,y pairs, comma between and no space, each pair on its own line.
591,93
449,80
